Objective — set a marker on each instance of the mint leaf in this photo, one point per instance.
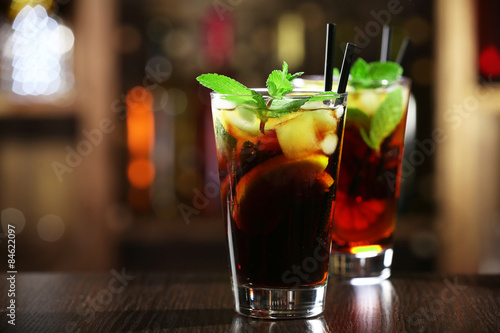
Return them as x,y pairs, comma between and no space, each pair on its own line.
386,118
370,75
359,118
322,96
366,138
289,76
224,85
281,107
379,71
359,70
336,72
279,82
225,139
294,76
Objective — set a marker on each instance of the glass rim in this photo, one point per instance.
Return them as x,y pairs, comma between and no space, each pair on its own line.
318,77
294,94
401,79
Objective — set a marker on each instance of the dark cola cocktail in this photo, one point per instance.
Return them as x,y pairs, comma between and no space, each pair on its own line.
278,189
278,161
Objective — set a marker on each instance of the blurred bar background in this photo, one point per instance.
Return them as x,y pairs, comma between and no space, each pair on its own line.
107,155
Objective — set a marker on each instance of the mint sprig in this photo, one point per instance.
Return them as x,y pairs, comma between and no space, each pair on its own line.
388,115
371,75
389,71
280,83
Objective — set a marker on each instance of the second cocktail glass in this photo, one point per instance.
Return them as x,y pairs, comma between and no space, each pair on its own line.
369,180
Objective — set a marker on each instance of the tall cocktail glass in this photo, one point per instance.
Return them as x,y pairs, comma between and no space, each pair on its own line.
278,174
369,179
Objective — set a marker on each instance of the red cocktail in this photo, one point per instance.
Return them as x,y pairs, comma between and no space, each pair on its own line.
369,182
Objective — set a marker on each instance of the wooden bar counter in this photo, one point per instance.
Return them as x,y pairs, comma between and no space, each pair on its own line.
122,301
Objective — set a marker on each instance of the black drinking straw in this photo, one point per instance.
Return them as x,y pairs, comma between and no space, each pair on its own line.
329,51
403,50
346,67
385,49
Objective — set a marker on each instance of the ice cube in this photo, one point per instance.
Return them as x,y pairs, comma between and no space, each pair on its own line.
313,105
297,137
339,111
329,143
242,123
325,121
220,103
310,132
367,101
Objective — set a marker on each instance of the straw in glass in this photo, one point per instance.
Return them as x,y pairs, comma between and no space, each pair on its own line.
346,67
385,49
329,52
403,50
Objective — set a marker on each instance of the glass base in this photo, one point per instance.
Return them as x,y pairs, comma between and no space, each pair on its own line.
274,303
364,267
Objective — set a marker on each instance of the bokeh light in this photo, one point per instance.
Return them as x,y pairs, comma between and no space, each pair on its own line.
418,29
50,228
37,52
291,39
140,142
489,61
141,173
13,217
